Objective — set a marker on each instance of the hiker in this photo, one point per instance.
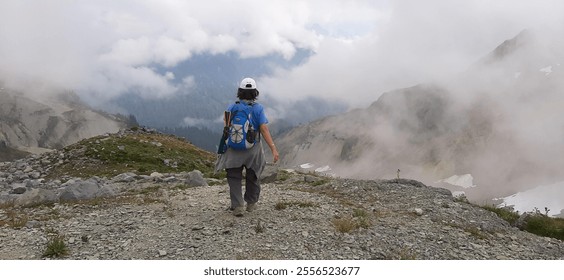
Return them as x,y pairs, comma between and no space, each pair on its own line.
250,157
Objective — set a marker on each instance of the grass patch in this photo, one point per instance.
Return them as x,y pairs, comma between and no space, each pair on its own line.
344,224
360,213
510,216
319,182
142,153
56,247
14,220
283,175
360,219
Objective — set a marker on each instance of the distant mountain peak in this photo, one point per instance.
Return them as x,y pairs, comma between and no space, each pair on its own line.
509,46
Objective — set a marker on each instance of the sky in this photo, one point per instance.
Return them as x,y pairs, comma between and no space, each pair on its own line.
105,48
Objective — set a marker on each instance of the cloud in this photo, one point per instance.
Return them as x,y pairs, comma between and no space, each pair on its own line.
105,48
420,41
362,48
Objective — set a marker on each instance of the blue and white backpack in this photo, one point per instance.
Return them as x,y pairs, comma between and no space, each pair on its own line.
242,135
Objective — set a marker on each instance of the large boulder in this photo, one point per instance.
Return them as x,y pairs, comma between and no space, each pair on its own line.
36,197
79,190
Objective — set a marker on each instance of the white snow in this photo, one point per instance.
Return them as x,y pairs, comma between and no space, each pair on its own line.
323,169
465,181
306,165
458,193
547,70
549,196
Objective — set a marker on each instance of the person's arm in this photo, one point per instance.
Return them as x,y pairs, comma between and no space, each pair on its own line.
268,138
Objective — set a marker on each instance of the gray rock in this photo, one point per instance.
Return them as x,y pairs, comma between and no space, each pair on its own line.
196,179
18,188
107,191
79,190
170,179
125,177
418,211
310,179
269,174
36,197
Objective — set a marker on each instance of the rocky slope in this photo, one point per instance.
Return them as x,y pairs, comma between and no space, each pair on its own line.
183,215
498,121
38,123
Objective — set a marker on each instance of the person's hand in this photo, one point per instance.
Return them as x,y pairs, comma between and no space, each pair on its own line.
275,155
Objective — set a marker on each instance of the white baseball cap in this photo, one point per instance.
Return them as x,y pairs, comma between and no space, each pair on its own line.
248,83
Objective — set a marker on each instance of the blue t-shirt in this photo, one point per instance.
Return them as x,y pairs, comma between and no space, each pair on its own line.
257,115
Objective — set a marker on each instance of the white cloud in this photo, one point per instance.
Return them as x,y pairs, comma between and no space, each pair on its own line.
362,47
108,47
420,41
189,82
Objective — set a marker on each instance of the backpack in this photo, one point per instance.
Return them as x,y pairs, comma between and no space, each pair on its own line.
241,135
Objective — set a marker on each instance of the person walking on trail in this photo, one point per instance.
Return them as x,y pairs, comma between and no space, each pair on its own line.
243,147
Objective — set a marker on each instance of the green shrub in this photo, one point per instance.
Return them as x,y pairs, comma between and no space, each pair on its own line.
535,222
545,226
360,213
56,247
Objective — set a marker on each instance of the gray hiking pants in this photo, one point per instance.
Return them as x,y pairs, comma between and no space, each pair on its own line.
235,181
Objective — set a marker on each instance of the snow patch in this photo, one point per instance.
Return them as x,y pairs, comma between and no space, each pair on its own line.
465,181
549,196
306,165
323,169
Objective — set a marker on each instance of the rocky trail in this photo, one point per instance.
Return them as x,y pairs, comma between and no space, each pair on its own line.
300,216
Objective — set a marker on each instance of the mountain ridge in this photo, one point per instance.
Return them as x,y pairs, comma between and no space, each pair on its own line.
485,121
38,123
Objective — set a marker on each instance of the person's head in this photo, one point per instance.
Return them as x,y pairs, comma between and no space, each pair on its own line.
247,89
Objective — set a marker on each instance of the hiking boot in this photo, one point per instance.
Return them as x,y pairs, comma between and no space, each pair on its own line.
238,212
251,207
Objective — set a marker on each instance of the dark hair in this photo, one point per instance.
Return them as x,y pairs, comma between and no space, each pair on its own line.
247,94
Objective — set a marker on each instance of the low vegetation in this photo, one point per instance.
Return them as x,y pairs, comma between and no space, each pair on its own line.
359,219
503,213
141,153
533,222
56,246
13,219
